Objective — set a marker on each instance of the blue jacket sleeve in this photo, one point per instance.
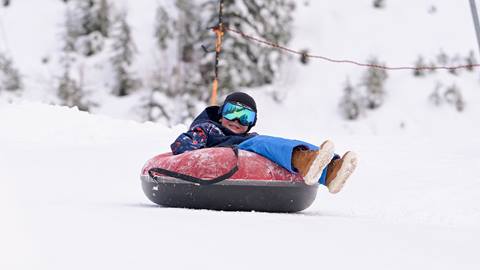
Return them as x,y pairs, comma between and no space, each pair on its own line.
193,139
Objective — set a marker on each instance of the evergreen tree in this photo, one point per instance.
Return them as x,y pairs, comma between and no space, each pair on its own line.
242,64
123,52
350,104
455,61
70,89
432,9
378,3
435,96
91,25
175,92
163,28
101,18
419,65
471,60
160,82
10,78
442,58
246,63
453,96
432,64
374,81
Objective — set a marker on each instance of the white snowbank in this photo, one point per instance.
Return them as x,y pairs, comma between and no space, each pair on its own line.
70,197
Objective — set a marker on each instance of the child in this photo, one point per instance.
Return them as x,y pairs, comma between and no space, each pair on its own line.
229,125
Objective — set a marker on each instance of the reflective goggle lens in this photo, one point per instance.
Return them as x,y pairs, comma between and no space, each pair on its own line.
245,116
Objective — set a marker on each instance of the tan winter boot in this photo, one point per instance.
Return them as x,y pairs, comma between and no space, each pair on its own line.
310,163
339,170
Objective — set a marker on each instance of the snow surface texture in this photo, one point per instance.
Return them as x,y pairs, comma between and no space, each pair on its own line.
70,195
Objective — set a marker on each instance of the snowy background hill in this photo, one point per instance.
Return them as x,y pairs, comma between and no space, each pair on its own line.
70,196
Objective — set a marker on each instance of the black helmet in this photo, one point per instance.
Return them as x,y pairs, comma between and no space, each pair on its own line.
243,99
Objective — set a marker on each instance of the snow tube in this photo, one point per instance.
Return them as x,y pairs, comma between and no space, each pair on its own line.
224,179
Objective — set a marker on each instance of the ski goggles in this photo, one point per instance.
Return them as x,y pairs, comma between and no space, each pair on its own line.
243,114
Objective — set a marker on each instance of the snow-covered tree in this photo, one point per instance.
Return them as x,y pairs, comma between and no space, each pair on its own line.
451,95
454,97
442,58
177,85
455,61
69,84
432,9
10,78
123,50
164,27
378,3
90,25
351,102
181,33
419,65
374,82
70,91
247,64
471,60
435,96
101,17
432,64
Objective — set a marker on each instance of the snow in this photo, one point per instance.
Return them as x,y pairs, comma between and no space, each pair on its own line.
71,197
70,194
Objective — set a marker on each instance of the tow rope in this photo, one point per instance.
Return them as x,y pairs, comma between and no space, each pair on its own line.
219,32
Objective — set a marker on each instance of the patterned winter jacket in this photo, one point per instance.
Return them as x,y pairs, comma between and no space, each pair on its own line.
207,131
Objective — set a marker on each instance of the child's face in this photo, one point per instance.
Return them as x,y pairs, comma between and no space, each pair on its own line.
233,126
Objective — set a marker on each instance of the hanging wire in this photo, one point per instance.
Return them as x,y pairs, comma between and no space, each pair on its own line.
346,61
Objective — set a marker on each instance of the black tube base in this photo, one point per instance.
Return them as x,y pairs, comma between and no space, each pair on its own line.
232,195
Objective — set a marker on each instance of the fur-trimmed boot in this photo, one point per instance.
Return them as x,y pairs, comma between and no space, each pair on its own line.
339,170
310,163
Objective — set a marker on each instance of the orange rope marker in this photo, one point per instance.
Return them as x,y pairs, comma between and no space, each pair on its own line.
219,32
213,98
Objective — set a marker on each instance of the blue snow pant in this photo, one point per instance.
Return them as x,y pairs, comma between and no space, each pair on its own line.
278,150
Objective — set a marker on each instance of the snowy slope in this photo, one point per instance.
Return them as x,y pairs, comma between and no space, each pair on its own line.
70,196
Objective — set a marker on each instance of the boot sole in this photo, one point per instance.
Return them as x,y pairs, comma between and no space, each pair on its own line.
350,161
324,156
